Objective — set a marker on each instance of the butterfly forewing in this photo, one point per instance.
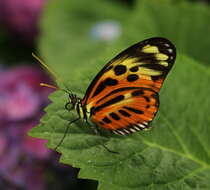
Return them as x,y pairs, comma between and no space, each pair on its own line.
123,97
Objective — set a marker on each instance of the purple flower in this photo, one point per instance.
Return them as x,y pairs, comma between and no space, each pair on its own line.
21,17
22,100
3,143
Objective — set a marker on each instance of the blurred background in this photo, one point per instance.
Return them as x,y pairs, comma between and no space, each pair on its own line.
47,26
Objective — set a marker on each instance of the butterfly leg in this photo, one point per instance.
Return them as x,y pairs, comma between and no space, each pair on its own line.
66,131
98,133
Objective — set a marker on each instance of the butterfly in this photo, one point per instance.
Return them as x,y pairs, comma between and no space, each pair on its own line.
124,96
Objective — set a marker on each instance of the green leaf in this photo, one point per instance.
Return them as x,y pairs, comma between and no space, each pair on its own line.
175,154
184,23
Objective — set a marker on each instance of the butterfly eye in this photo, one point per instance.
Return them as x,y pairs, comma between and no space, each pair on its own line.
69,106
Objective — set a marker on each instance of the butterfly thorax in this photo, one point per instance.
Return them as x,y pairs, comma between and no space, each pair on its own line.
76,103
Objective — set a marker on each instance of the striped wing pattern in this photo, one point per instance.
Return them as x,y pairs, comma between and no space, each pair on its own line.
123,97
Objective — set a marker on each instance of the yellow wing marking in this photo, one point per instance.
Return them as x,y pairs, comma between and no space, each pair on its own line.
150,49
151,72
136,64
125,61
164,63
161,57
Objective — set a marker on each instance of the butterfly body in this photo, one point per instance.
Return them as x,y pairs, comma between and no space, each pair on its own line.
123,97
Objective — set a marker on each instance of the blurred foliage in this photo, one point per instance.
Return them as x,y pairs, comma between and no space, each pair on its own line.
75,32
173,155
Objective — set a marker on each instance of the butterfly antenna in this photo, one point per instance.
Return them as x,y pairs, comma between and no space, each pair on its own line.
45,66
53,87
53,74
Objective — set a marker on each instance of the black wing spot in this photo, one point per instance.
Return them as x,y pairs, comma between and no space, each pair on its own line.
106,120
134,69
124,113
137,93
147,98
114,116
134,110
132,78
119,70
110,82
147,106
155,78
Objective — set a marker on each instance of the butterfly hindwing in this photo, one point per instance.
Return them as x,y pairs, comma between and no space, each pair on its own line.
130,83
128,108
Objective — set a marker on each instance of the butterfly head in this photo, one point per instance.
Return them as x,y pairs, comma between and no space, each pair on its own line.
73,102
